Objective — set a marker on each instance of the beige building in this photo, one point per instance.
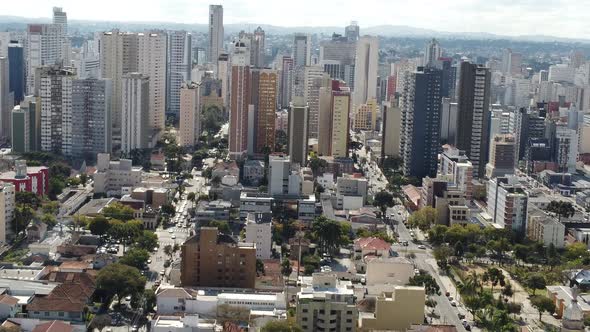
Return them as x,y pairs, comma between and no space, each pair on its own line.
328,305
264,91
190,113
7,204
365,117
545,229
389,270
334,123
392,117
152,63
135,129
396,311
155,197
111,176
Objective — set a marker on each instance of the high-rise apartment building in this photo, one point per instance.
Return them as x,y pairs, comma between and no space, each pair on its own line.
298,131
190,113
16,76
301,50
334,120
135,120
286,81
392,117
43,46
365,116
91,117
432,53
511,62
60,18
264,98
352,31
152,63
212,259
502,156
179,63
448,121
365,69
25,126
7,205
6,98
240,100
55,90
565,148
257,51
337,57
315,78
420,104
223,74
473,115
215,32
507,203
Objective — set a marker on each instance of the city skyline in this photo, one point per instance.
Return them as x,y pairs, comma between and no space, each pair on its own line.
510,18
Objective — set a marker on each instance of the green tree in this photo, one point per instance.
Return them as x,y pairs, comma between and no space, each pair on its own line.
118,211
423,218
328,233
50,207
383,200
426,280
147,240
442,254
535,281
561,209
259,266
286,268
83,179
99,225
543,304
190,196
135,257
56,187
27,198
494,276
121,280
149,296
576,250
49,220
287,325
23,215
168,209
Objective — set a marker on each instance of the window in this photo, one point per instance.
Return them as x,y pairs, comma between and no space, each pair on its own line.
60,314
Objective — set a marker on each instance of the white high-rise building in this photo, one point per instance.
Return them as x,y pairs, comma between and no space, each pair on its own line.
135,120
61,18
566,148
152,63
279,168
314,79
6,102
223,74
215,32
43,46
190,113
7,205
301,50
365,69
259,231
432,53
179,68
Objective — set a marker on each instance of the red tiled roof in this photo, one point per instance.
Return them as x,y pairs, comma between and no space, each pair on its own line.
54,326
70,296
372,243
7,299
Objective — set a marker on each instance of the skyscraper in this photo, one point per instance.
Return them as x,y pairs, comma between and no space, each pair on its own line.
420,105
257,40
365,69
190,113
16,77
44,46
135,119
286,81
473,115
152,63
334,120
6,98
61,18
298,125
315,78
352,31
301,50
240,100
432,53
179,68
391,129
91,117
502,156
337,57
24,126
215,32
223,74
264,98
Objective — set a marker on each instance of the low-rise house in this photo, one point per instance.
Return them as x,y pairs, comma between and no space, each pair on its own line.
254,203
8,306
371,246
225,168
306,208
253,172
364,217
397,310
54,326
562,296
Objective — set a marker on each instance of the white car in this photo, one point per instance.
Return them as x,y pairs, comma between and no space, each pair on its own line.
170,231
421,246
173,236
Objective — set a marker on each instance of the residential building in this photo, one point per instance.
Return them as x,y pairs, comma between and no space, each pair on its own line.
279,169
7,205
259,231
508,203
432,53
351,191
502,156
240,100
473,107
565,148
337,56
181,324
6,98
298,131
111,176
334,124
365,69
135,120
365,117
28,178
511,62
389,270
286,81
223,74
55,90
455,164
301,50
44,45
328,305
16,75
397,310
8,306
190,113
254,203
26,126
448,121
211,259
314,79
215,32
420,104
152,63
264,96
179,62
91,118
545,229
352,31
253,171
392,116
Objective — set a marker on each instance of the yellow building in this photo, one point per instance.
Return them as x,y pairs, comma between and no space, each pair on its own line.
365,117
396,310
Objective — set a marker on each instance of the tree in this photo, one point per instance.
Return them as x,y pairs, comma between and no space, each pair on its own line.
83,179
215,181
316,163
286,268
423,218
561,209
168,250
118,211
147,240
576,250
426,280
259,266
507,290
99,322
49,220
56,187
135,257
535,281
494,276
149,297
222,226
190,196
383,200
442,255
168,209
27,198
121,280
287,325
50,207
73,182
99,226
328,233
23,215
543,304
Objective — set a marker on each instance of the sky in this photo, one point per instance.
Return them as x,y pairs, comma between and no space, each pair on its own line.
561,18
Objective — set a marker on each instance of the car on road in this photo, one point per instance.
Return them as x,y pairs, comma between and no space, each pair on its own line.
173,236
453,303
461,315
149,261
170,230
162,272
405,243
421,246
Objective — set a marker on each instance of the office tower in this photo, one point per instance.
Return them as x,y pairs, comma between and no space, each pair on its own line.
240,100
5,40
60,18
565,148
257,40
420,104
301,50
337,57
392,117
286,81
6,98
223,74
25,126
561,73
543,75
91,117
86,60
525,124
538,151
179,68
190,113
365,69
215,32
502,156
449,73
365,116
391,87
118,57
152,63
264,98
44,46
352,31
334,120
16,77
55,90
7,205
511,62
473,114
298,131
448,121
135,117
211,259
432,53
314,79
